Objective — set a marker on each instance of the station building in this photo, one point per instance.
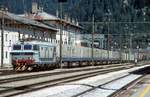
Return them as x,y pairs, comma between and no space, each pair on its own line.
41,26
18,28
70,29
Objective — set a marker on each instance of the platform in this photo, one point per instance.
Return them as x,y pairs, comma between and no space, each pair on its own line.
140,89
103,85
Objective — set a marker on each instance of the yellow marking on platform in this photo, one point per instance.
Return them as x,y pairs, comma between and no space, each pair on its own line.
145,91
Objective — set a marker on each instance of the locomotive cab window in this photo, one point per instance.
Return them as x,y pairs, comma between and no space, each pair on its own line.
28,47
35,47
17,47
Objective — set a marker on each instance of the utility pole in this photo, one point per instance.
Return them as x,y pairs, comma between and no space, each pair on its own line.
108,44
2,38
93,30
137,53
120,47
130,46
61,30
108,24
108,14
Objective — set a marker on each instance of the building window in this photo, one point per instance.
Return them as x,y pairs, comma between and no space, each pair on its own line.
9,43
16,47
27,47
42,48
6,54
19,35
56,41
6,37
23,36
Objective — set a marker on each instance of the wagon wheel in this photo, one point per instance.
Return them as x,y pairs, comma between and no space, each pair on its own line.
30,68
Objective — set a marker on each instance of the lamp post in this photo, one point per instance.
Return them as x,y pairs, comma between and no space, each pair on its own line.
61,26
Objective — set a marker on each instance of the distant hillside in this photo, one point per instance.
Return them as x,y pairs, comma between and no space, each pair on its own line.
82,10
120,10
104,11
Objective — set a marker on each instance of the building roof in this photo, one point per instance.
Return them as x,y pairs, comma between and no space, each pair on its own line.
43,16
24,20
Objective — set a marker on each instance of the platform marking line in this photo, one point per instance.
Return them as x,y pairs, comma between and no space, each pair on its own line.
145,91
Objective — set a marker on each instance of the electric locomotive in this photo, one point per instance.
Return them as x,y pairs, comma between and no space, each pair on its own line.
33,54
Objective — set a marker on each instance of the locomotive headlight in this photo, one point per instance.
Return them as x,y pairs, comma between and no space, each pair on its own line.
29,58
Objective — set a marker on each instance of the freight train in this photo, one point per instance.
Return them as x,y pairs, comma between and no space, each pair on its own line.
29,55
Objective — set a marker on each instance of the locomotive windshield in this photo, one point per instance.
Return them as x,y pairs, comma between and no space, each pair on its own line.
35,47
28,47
17,47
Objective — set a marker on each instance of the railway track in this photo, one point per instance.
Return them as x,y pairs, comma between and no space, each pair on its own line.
112,89
116,87
142,72
6,72
108,89
125,88
11,75
13,85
